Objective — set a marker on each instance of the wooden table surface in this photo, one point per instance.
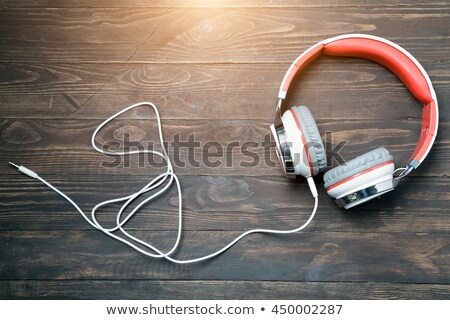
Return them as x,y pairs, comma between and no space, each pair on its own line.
214,72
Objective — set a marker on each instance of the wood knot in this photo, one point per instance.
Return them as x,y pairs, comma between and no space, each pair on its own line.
236,190
329,248
206,26
20,133
129,133
208,29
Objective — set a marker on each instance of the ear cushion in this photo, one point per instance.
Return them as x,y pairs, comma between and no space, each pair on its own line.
357,165
312,136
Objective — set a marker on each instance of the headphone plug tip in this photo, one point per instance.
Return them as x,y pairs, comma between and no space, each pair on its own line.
13,164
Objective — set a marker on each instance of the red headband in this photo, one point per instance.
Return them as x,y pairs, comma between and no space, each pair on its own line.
394,58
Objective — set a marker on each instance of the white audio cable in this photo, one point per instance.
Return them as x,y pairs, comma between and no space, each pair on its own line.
165,181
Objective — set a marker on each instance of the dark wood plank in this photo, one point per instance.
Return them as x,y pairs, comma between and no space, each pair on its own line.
224,203
173,290
63,146
209,35
309,256
333,89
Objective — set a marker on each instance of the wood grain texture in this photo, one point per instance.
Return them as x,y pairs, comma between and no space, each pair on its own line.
63,146
309,256
209,35
333,89
225,204
214,69
173,290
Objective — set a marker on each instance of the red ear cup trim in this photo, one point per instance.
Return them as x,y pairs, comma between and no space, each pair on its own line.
428,133
359,174
392,58
305,145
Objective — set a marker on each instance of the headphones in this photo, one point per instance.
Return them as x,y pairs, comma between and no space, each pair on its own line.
300,148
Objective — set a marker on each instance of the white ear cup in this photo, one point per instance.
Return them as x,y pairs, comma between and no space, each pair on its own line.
362,178
297,144
305,144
